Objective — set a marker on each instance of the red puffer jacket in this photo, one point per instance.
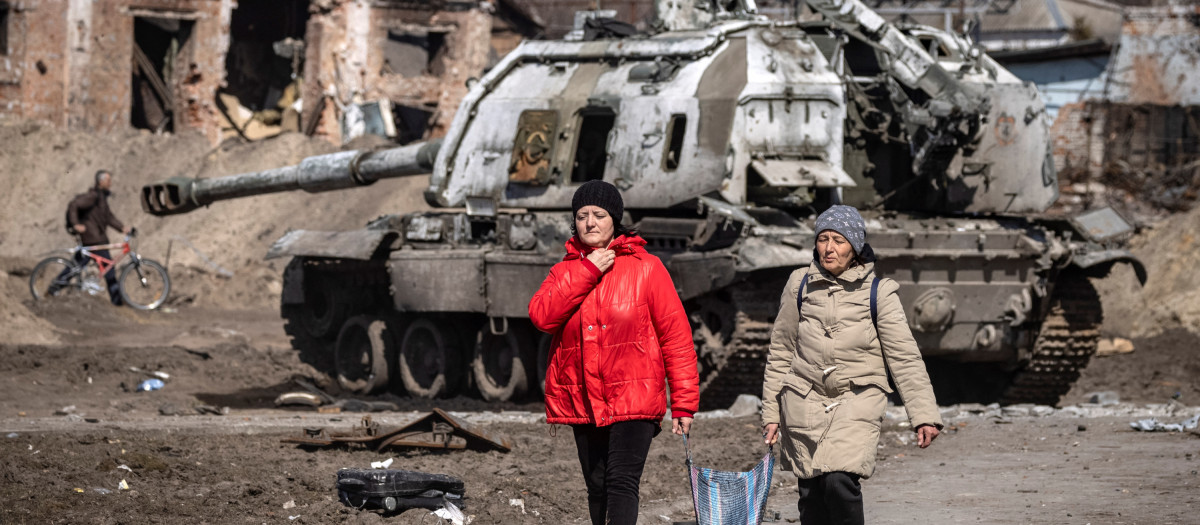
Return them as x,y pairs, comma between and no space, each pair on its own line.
619,338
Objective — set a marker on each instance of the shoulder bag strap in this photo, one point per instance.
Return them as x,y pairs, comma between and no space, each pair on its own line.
800,294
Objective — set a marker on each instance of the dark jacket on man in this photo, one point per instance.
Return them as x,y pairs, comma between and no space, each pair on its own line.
91,210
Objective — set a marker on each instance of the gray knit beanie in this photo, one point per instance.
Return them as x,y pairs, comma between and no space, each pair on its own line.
846,221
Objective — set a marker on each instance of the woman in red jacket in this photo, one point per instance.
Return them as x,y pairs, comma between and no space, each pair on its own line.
620,337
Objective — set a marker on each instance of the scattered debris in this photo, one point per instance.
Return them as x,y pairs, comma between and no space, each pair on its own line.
396,490
745,405
1106,398
101,490
450,513
67,410
517,502
124,467
209,409
1153,425
382,464
12,435
291,504
123,485
298,398
436,429
150,384
1114,346
157,373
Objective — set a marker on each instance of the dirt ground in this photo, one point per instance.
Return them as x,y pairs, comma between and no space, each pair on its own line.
72,426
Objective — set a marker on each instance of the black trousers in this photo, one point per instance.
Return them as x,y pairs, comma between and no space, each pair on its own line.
110,277
831,499
612,458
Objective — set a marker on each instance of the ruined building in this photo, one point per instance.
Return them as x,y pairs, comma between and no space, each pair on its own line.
1142,133
250,67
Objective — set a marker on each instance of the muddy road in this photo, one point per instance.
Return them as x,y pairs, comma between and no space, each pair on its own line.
72,428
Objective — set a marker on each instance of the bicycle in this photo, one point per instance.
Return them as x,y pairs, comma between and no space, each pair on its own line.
144,283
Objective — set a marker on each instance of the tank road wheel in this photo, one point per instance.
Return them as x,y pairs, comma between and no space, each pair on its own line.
365,347
498,365
326,307
543,357
1064,345
429,362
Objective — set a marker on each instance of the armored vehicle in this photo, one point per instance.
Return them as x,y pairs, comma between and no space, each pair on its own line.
726,133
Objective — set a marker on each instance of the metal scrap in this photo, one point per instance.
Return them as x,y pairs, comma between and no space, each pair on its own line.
435,430
1154,425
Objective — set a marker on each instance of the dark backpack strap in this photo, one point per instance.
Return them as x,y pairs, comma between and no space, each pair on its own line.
800,294
875,303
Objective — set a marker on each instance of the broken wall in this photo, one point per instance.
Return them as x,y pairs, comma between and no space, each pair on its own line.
1148,151
417,55
1158,57
70,62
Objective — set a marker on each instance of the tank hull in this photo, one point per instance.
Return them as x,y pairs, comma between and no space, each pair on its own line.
976,292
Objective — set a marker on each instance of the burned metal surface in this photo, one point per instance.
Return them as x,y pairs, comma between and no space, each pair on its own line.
355,244
435,430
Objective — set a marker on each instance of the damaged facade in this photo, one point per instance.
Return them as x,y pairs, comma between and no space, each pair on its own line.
85,64
246,67
1142,135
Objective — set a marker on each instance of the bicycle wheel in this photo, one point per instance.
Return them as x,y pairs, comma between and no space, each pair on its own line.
145,284
54,276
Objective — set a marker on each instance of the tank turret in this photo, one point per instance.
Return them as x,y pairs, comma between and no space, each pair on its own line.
726,133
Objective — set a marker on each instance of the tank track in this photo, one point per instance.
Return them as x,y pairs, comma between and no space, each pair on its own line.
1064,345
740,369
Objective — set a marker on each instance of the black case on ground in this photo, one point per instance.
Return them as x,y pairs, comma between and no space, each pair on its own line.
395,490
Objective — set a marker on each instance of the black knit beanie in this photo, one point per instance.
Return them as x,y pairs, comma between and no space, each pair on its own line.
599,193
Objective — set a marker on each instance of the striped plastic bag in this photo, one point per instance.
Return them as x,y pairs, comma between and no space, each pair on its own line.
730,498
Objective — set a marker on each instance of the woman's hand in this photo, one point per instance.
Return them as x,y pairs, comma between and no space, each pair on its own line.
771,433
926,434
603,258
681,426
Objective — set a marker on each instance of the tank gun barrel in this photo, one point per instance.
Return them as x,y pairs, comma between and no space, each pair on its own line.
906,60
334,171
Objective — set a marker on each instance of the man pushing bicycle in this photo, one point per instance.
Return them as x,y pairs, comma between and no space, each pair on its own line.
88,217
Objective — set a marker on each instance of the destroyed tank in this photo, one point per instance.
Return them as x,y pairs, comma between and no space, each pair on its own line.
726,133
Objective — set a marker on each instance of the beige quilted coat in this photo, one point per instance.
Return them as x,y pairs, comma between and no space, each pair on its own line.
826,383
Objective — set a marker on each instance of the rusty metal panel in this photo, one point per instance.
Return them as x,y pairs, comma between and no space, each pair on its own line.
354,244
534,147
512,280
438,280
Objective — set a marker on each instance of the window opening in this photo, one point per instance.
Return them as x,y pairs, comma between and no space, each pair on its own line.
264,66
675,130
411,122
413,52
158,45
4,9
591,146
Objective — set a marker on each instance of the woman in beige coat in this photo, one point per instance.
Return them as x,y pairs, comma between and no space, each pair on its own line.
825,387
